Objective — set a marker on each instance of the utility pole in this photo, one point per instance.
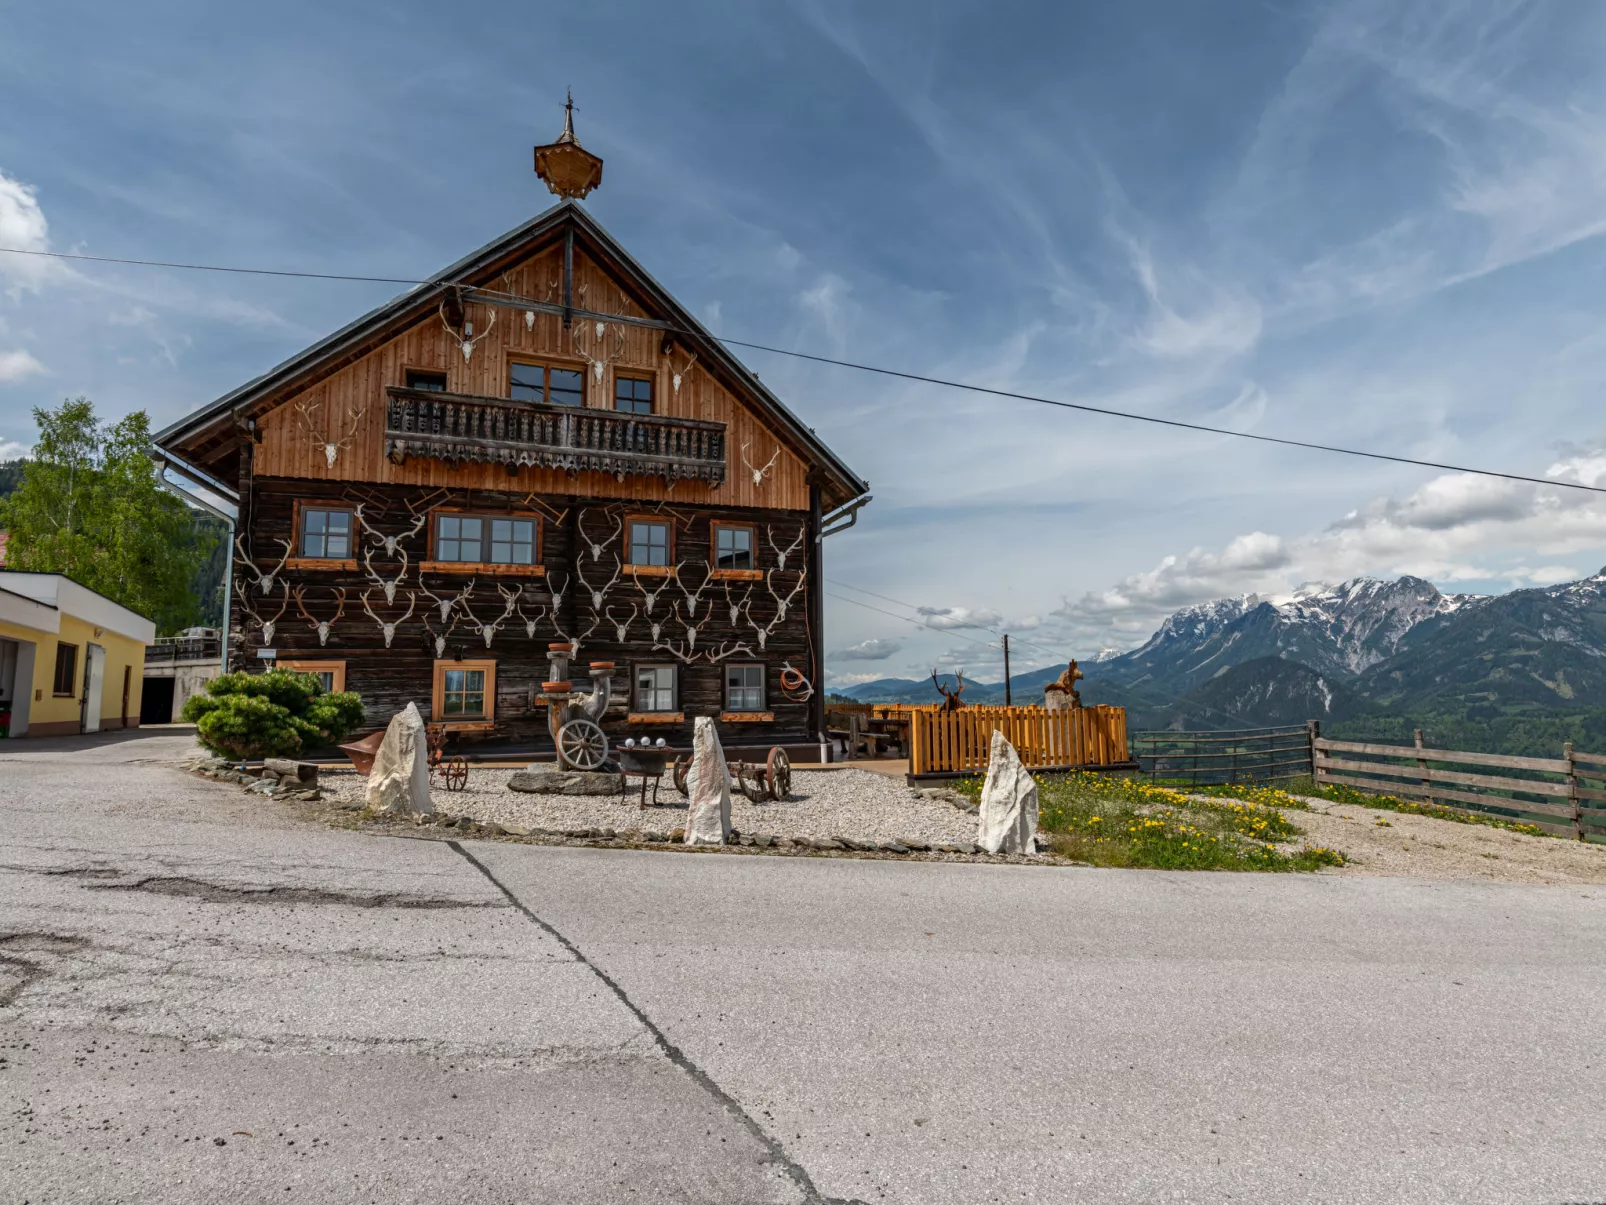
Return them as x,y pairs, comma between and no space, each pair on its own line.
1007,702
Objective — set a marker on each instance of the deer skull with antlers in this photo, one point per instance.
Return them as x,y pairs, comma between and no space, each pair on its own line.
438,639
321,626
780,553
265,580
389,587
693,597
595,592
598,549
598,366
451,600
531,624
268,625
466,341
676,375
759,473
389,629
390,542
621,630
652,595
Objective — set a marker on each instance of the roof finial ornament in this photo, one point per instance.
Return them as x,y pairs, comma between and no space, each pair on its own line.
567,167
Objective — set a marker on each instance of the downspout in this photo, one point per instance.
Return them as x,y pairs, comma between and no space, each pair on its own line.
817,622
821,525
164,465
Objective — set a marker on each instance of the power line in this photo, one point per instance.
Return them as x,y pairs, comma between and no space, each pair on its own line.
856,603
157,263
1055,653
1083,407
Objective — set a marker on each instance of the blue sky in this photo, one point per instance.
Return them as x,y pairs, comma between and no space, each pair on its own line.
1369,223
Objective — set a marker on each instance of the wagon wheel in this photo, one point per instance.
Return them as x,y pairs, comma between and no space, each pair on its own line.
457,773
749,781
780,773
582,745
681,769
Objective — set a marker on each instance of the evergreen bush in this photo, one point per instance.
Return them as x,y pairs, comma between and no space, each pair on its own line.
274,714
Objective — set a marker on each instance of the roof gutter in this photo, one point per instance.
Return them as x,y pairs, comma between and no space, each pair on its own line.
166,460
843,517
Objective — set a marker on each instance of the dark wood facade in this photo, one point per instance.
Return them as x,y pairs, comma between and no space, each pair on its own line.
411,414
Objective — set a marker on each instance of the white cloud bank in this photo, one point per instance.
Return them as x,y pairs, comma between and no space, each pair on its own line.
18,364
1458,527
874,649
23,226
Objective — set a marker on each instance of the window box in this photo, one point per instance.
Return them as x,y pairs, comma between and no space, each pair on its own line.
747,717
647,570
736,575
482,567
320,562
656,717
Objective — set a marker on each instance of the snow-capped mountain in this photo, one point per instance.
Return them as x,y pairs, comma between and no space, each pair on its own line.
1339,629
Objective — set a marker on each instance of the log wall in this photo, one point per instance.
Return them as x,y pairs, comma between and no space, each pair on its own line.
389,678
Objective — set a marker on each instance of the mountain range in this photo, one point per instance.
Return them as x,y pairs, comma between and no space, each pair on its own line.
1364,654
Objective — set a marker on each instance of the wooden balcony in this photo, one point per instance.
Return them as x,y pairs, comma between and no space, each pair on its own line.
458,427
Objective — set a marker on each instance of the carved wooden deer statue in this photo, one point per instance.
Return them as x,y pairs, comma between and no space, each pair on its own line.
951,700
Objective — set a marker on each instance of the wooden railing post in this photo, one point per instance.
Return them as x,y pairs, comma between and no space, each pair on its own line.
1422,765
1313,729
1572,790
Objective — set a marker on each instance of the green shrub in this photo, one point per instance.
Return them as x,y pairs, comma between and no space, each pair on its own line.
276,714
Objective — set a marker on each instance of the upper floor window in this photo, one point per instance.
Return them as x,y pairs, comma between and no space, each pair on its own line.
733,546
649,542
326,534
633,395
541,383
485,539
433,381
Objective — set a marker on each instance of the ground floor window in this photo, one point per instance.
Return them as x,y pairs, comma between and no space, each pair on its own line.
465,692
655,688
66,671
744,688
331,673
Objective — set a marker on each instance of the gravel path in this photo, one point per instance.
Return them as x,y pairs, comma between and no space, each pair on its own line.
823,803
1427,848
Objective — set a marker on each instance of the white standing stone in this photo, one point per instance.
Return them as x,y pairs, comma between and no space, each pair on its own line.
398,785
708,785
1008,803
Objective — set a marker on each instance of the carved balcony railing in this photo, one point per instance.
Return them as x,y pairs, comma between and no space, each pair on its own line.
458,427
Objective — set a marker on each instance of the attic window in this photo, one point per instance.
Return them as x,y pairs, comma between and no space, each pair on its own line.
433,381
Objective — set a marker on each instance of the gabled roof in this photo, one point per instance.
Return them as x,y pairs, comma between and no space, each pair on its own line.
206,437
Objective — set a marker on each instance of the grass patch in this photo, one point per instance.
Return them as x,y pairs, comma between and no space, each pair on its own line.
1130,823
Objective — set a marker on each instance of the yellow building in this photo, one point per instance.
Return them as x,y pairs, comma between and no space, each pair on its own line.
71,660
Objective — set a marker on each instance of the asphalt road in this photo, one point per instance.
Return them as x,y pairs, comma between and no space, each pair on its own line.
203,998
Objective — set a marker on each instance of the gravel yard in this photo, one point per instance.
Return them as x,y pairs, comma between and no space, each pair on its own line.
823,804
1424,847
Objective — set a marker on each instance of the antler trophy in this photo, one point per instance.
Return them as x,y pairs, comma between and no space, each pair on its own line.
572,717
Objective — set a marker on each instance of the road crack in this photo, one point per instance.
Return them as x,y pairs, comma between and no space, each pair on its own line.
794,1170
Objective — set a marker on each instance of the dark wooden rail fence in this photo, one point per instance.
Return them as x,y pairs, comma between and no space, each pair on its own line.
1233,756
1564,795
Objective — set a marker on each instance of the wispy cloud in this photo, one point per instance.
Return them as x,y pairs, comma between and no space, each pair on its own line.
19,364
875,649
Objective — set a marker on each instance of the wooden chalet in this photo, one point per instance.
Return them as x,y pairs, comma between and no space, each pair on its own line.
538,446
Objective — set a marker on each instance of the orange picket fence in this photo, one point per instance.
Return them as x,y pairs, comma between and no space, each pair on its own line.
945,742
